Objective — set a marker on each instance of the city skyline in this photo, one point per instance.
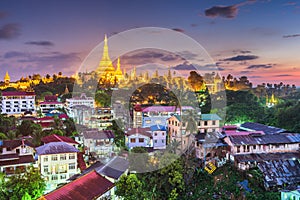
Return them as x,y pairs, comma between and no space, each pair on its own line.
258,39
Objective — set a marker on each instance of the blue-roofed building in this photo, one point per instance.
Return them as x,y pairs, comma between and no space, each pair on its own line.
159,135
290,194
57,162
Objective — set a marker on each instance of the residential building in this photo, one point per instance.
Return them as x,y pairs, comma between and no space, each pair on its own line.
59,138
209,123
159,136
244,148
101,118
82,100
138,137
49,104
112,170
57,162
88,187
17,103
15,155
177,131
155,115
99,141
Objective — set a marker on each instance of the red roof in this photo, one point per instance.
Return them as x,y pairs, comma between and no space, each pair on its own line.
57,138
50,98
142,131
15,143
50,102
16,161
63,116
87,187
47,118
80,160
17,93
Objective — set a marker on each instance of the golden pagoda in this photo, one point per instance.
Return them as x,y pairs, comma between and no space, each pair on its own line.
6,78
106,70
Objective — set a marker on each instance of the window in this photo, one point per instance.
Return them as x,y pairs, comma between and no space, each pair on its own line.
46,159
71,156
155,133
54,177
183,124
132,140
63,176
155,141
213,122
72,166
46,168
54,158
254,147
238,149
141,140
63,157
163,141
205,123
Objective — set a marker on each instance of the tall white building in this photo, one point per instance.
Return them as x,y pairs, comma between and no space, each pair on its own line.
83,100
57,162
16,103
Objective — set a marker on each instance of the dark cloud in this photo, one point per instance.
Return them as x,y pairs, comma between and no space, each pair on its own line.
178,29
9,31
259,66
241,51
40,43
241,58
14,54
222,11
246,72
283,75
291,36
149,56
188,66
187,55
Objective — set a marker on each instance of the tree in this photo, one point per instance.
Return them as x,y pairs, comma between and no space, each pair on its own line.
129,187
28,185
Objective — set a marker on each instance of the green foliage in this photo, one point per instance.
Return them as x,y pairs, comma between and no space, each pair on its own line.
28,185
129,187
119,133
103,98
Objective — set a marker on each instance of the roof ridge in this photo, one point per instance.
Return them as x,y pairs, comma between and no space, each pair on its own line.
57,137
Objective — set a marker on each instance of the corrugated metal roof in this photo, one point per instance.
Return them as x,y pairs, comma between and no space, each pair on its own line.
55,148
261,127
206,117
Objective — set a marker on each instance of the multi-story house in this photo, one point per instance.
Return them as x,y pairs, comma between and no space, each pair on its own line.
59,138
177,131
15,155
155,115
79,101
101,118
57,162
17,103
50,103
99,141
159,136
209,123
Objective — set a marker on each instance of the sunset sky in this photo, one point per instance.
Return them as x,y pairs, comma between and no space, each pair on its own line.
259,39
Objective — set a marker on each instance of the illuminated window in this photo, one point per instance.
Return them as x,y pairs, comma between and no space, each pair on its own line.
46,159
141,140
62,157
132,140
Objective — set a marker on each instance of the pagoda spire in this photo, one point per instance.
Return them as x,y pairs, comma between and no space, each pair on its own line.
105,55
105,65
6,78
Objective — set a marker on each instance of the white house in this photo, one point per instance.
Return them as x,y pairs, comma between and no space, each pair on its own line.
50,103
57,162
159,136
138,137
16,103
83,100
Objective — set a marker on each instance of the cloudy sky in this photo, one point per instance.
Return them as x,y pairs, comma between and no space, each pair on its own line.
259,39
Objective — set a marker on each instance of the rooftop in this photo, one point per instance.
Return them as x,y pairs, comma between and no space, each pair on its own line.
142,131
261,127
206,117
98,135
57,138
88,187
55,148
